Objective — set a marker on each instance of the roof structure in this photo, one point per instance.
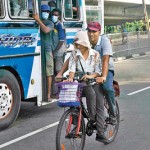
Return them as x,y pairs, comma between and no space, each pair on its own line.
120,11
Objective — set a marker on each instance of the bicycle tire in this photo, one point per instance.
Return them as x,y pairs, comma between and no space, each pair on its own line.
113,129
61,140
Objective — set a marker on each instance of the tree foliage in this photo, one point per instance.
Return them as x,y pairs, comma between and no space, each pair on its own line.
128,26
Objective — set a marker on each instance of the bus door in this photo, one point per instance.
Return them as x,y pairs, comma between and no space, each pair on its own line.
72,18
44,79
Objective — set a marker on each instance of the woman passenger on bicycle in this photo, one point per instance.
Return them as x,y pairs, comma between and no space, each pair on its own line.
87,60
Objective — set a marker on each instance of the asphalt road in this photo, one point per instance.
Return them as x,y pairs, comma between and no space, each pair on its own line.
35,127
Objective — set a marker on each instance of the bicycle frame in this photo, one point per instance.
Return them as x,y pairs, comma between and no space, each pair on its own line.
82,111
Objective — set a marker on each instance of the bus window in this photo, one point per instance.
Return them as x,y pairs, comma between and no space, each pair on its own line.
93,13
21,8
71,10
1,9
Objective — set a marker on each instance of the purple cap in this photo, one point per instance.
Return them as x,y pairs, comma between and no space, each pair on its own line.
94,26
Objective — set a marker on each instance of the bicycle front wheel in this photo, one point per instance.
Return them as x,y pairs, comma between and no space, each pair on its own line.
66,136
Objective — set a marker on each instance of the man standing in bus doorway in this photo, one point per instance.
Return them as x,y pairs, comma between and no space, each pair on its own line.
47,26
57,40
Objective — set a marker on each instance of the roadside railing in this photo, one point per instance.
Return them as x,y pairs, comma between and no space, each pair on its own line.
128,43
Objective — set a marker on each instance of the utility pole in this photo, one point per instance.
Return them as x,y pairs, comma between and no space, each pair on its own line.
145,15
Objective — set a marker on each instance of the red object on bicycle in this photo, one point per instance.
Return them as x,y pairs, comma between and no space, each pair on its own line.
116,88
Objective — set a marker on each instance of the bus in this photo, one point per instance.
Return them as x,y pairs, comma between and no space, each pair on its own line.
22,61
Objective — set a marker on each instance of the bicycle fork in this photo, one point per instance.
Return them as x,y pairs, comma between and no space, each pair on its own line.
79,122
78,126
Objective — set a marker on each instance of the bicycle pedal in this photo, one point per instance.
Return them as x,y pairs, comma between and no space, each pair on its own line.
89,131
71,135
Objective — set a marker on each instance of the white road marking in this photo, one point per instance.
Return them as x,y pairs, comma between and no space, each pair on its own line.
28,135
53,101
139,91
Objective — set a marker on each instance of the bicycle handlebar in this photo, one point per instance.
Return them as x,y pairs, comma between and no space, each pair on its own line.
89,81
60,79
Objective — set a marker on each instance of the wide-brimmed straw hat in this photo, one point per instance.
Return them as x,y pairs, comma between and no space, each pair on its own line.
82,38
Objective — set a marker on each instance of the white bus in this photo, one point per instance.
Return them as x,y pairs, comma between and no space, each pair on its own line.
22,61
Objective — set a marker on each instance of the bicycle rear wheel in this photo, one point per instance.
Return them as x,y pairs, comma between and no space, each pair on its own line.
66,138
112,130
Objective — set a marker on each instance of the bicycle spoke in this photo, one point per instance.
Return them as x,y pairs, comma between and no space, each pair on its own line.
67,138
111,130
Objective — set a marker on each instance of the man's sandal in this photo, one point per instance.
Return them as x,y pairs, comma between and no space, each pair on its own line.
50,99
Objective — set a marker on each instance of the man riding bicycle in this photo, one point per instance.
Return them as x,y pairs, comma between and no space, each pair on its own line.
103,46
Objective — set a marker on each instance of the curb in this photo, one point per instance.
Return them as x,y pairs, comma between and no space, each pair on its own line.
132,56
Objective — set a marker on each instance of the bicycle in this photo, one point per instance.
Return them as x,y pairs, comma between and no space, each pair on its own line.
72,130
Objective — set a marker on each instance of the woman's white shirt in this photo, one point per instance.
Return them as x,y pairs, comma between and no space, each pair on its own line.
91,65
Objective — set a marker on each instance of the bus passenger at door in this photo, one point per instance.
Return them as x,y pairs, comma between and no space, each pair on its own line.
47,26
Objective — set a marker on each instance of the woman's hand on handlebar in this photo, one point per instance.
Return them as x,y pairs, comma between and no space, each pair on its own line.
70,79
85,77
100,79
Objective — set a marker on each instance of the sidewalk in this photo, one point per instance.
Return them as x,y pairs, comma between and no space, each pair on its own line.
131,56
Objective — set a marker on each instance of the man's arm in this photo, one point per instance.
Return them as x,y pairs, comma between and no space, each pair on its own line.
107,52
105,63
60,43
44,28
61,36
63,69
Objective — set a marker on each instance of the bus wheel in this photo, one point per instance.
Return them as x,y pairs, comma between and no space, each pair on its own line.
10,99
